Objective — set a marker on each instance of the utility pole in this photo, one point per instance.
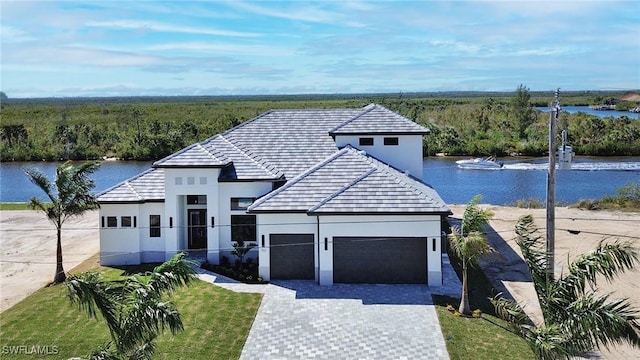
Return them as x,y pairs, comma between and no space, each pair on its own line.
551,186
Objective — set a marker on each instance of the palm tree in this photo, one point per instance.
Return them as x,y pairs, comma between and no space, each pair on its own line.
469,243
69,195
576,319
135,309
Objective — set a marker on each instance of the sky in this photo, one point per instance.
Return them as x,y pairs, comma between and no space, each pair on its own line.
167,48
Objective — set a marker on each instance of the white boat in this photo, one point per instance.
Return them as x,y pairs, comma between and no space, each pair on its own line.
489,163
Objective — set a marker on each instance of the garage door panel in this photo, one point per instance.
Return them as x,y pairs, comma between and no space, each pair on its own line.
291,256
380,260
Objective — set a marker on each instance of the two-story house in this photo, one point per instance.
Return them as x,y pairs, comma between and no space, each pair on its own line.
332,195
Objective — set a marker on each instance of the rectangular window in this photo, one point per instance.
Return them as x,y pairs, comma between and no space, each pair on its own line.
243,228
391,141
125,221
154,225
102,222
241,203
196,199
112,221
367,141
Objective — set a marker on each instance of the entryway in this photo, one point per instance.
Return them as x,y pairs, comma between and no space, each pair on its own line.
197,229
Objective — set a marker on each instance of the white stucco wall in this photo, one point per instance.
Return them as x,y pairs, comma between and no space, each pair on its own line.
282,224
119,245
228,190
179,183
427,226
152,249
406,156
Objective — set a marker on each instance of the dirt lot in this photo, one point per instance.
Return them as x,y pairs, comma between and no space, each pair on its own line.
508,271
28,250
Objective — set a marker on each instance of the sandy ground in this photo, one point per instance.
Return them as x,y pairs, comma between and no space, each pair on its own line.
28,250
27,258
508,272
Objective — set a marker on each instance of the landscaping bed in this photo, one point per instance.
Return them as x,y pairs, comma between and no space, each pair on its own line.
246,272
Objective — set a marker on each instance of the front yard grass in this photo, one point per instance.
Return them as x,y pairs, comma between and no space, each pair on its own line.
14,206
485,338
216,324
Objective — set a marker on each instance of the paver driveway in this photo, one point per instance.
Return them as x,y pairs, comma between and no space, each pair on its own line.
303,320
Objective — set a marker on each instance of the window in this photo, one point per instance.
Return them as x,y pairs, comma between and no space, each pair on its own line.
178,181
112,221
391,141
154,225
243,228
196,199
125,221
241,203
366,141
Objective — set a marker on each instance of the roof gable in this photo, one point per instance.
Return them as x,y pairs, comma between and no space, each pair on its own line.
146,186
195,155
351,182
375,119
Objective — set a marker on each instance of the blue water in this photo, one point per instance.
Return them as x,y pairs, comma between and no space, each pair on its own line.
16,187
591,178
599,113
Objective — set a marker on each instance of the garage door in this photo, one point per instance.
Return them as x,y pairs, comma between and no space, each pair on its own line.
291,256
380,260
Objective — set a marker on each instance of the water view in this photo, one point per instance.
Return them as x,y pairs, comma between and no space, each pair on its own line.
590,178
590,111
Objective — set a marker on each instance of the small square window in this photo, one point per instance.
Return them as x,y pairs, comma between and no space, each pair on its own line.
366,141
191,180
125,221
241,203
178,181
391,141
203,180
112,221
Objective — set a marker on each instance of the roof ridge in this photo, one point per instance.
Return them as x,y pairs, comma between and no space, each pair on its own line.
244,153
365,110
208,152
343,189
306,173
245,123
135,192
124,182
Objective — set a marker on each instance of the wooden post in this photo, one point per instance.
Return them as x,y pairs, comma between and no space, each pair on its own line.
551,187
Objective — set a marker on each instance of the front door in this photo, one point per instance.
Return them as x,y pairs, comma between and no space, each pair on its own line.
197,229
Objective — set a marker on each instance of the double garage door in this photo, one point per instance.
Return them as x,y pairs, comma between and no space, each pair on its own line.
388,260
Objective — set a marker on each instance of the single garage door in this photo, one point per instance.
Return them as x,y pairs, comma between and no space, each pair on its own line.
386,260
291,256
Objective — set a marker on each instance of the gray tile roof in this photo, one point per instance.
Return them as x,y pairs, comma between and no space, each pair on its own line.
279,144
352,182
196,155
147,186
375,119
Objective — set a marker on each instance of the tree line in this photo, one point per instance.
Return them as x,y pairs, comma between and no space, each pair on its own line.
151,128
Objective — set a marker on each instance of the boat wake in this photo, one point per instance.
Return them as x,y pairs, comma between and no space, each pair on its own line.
580,166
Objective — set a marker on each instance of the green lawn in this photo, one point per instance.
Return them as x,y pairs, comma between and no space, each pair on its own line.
216,323
485,338
14,206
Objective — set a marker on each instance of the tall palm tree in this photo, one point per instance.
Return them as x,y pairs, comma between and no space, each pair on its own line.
69,195
135,309
576,318
469,243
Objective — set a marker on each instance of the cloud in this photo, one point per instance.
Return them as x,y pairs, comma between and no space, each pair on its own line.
169,28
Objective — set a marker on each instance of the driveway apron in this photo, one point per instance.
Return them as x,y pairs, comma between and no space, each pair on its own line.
303,320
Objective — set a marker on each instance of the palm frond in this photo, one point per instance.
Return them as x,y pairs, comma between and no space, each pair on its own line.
474,218
549,342
173,273
607,260
594,321
510,311
88,291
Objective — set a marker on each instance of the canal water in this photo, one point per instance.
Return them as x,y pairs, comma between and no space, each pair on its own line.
590,178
